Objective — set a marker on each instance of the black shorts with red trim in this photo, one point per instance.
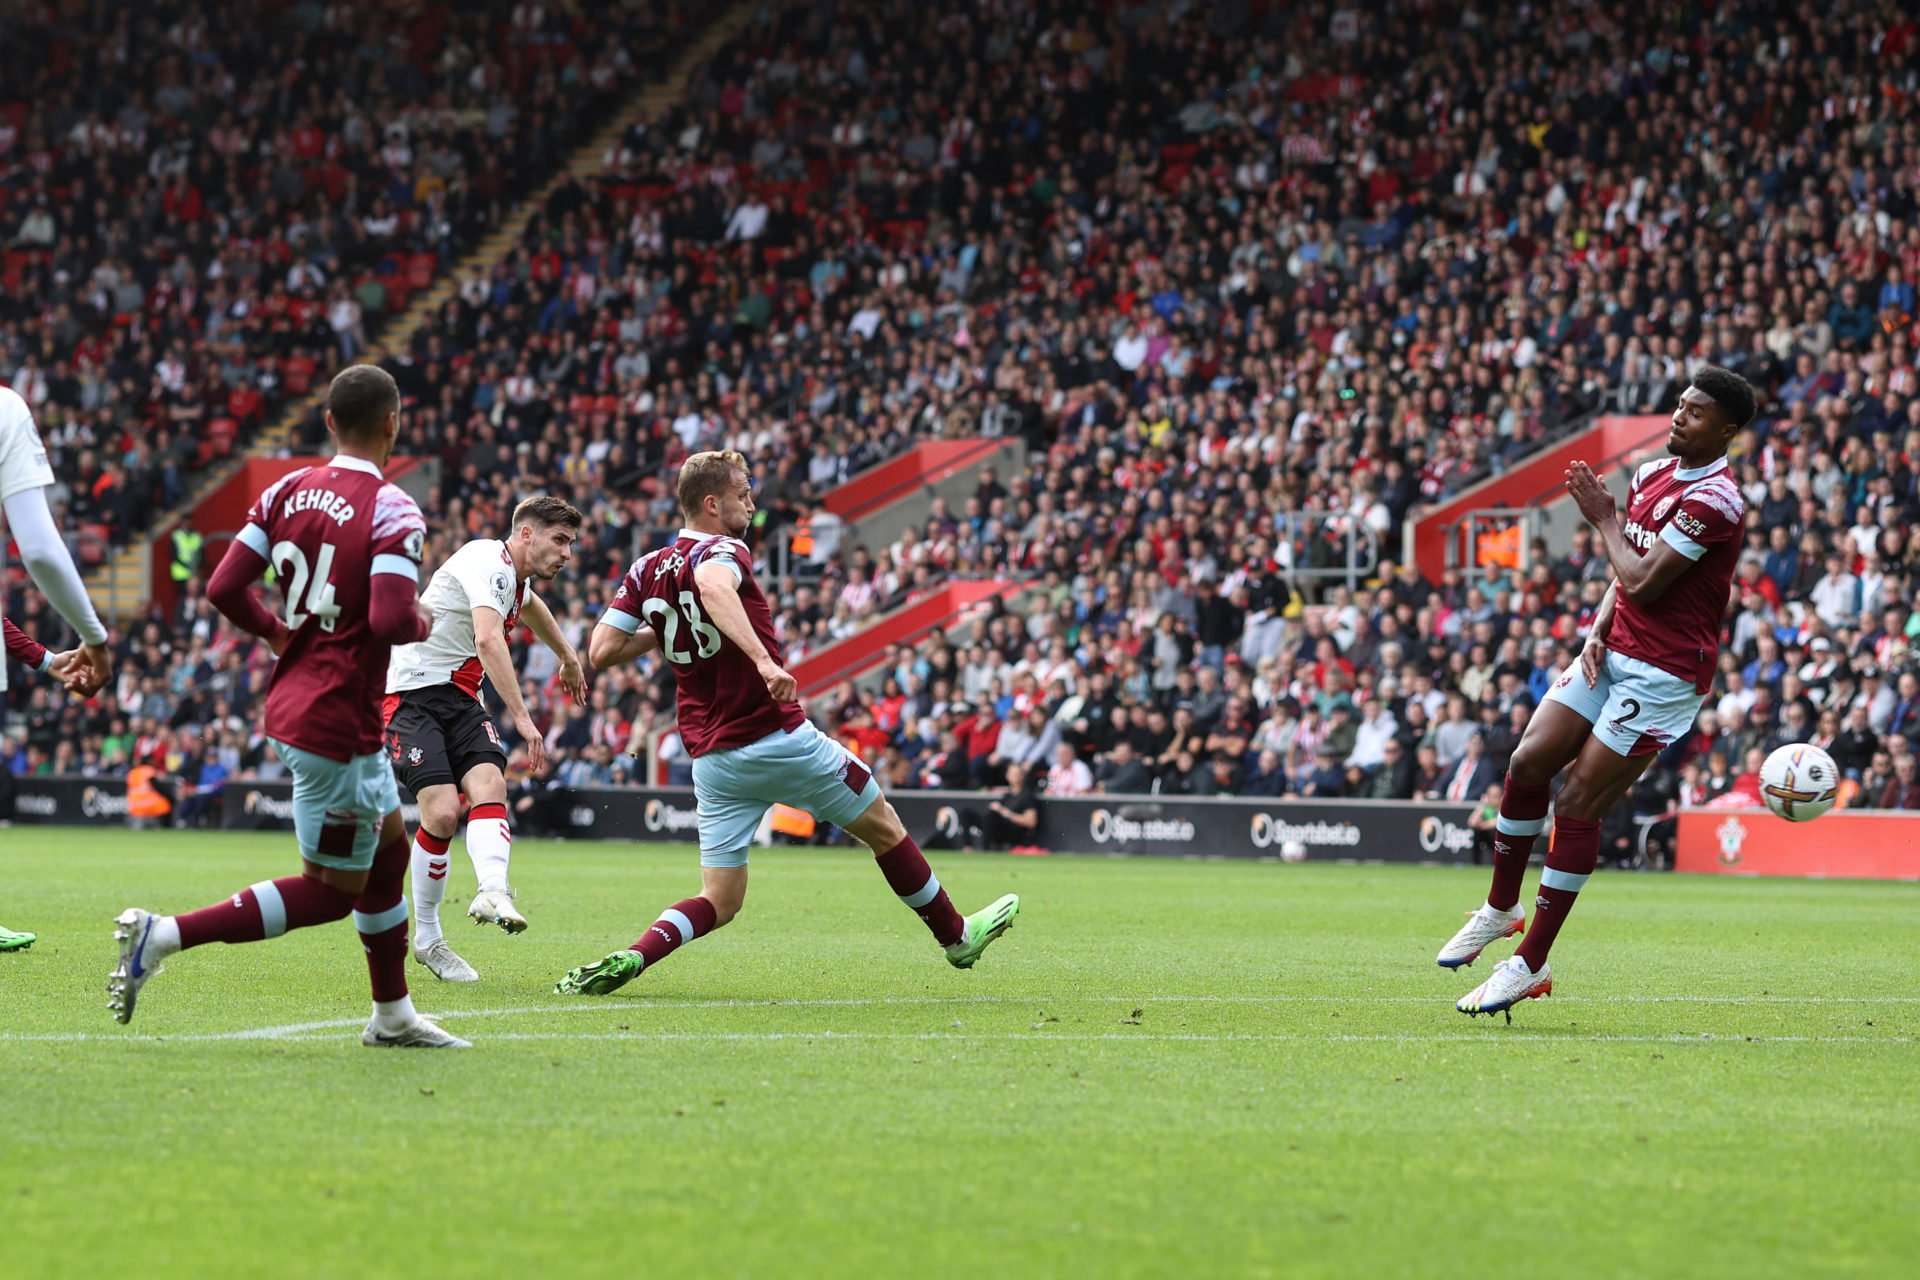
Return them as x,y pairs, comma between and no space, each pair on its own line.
435,736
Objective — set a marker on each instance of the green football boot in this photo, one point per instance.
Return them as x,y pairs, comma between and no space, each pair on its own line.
602,977
983,927
11,941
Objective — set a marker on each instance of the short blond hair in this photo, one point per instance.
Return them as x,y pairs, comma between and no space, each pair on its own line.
709,473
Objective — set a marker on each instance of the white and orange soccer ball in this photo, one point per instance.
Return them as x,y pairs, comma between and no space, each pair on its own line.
1799,782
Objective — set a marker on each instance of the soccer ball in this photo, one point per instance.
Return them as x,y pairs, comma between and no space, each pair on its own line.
1293,851
1799,782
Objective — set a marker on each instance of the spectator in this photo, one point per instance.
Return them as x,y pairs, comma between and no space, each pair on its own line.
1471,775
1068,775
1902,791
1121,772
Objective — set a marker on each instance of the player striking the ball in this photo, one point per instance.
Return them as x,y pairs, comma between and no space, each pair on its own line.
439,736
346,547
740,718
1649,661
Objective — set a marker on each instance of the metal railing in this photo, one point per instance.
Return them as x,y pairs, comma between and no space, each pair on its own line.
1350,556
1463,537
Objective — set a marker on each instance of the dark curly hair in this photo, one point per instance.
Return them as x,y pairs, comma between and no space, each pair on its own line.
1733,393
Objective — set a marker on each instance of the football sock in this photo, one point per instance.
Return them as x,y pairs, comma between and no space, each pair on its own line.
913,881
429,884
1575,853
678,925
264,910
394,1015
489,843
380,914
1523,815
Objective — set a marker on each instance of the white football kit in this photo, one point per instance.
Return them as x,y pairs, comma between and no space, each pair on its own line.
478,574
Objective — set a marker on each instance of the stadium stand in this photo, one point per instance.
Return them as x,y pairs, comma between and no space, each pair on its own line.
182,255
1252,283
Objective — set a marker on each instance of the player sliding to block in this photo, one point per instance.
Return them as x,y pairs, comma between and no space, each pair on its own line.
1649,661
439,736
346,547
752,746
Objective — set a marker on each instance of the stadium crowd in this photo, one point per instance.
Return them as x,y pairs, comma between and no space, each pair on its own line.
201,216
1244,278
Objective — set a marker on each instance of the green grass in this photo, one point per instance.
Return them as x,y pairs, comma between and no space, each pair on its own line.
1167,1068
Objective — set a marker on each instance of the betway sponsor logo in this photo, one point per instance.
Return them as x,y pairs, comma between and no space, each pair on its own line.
96,803
1269,830
38,806
268,806
662,816
1106,827
1638,535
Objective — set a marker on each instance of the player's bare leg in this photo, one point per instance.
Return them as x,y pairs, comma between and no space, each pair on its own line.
439,817
490,844
1553,739
913,881
1599,779
723,891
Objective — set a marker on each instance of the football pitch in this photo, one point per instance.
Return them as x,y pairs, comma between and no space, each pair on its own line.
1166,1068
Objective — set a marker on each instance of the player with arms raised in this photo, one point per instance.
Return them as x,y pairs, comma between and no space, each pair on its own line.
439,736
24,477
752,746
346,546
1648,663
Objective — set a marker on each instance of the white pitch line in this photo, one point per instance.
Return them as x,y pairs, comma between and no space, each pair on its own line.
304,1034
1223,1038
297,1030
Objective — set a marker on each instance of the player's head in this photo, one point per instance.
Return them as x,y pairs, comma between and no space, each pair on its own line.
544,530
716,495
1712,410
363,411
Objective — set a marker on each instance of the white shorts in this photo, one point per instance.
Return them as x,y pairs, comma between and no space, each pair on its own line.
1634,707
803,768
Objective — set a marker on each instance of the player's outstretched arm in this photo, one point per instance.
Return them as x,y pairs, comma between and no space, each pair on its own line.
490,641
539,620
45,555
612,645
720,592
230,590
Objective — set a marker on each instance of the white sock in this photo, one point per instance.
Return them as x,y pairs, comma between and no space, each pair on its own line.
489,844
394,1015
165,939
429,886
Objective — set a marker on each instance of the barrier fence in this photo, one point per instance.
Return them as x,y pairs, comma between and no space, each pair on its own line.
1876,845
1377,831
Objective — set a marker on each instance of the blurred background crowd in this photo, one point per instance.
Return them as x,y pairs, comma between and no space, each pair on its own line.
1253,283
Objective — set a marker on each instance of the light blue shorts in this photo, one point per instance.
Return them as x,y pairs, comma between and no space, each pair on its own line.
805,769
338,806
1635,707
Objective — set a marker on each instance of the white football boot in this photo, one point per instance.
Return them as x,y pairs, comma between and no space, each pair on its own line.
443,963
141,955
1510,982
1483,928
421,1033
495,906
